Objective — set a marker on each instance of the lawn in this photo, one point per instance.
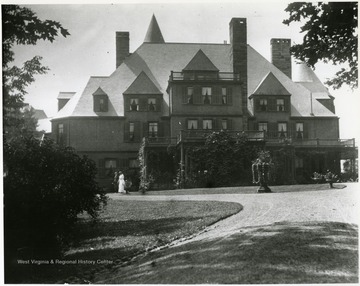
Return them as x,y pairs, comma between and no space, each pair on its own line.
125,229
281,253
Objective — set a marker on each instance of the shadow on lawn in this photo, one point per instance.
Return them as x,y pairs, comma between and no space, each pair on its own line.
280,253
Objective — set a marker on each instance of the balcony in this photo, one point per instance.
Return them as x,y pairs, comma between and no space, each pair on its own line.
297,139
201,76
154,141
200,135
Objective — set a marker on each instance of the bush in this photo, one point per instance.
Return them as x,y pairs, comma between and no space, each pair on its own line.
45,188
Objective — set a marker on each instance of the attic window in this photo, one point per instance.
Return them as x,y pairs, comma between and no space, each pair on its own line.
100,103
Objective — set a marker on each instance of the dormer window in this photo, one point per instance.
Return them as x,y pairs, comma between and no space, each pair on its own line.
100,101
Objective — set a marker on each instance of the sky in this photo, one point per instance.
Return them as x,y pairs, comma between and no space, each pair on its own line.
90,49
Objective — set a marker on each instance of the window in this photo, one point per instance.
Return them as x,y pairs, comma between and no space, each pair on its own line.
282,129
206,95
134,104
263,104
299,130
207,124
110,164
280,105
133,163
224,95
190,95
153,129
263,126
61,133
224,124
131,131
102,105
100,102
192,124
152,104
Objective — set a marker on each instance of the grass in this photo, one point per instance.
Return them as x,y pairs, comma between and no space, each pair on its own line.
126,229
244,190
282,253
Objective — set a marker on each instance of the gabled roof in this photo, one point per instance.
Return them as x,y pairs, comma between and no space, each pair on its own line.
153,34
99,91
271,86
142,85
200,62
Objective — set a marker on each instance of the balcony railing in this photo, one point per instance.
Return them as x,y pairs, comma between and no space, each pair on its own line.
227,76
297,139
270,138
160,141
200,135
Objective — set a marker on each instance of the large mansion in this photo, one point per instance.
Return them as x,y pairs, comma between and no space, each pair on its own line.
174,93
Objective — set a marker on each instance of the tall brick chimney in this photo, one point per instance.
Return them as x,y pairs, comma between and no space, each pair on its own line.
122,47
280,55
238,41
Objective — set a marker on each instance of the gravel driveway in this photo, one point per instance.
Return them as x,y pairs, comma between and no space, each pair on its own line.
259,210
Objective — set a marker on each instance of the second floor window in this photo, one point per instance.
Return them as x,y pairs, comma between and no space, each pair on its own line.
299,130
207,124
224,95
61,134
110,164
263,126
192,124
153,129
134,104
280,105
224,124
263,104
282,130
206,95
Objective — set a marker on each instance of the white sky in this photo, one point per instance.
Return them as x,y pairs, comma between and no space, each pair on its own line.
90,49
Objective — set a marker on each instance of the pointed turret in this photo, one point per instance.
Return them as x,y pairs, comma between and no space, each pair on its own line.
153,34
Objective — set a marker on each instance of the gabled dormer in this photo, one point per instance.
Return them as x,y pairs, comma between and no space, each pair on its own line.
100,101
200,67
142,95
271,96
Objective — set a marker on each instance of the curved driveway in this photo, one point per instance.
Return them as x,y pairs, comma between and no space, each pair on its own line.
220,253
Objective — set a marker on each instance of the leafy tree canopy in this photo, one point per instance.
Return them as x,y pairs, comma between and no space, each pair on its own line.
330,35
21,26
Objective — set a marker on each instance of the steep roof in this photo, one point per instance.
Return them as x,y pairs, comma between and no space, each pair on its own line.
153,62
271,86
153,34
142,85
200,62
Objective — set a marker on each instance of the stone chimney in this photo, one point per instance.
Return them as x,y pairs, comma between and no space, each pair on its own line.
238,41
280,55
122,47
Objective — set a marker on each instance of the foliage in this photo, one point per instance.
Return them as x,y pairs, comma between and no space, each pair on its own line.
45,188
223,160
330,36
21,26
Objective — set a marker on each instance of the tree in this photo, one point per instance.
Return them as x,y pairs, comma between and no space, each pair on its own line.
46,187
21,26
330,35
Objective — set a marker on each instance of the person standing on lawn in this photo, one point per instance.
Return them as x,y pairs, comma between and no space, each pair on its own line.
116,181
121,183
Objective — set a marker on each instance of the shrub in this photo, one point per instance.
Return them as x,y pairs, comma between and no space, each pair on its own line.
45,188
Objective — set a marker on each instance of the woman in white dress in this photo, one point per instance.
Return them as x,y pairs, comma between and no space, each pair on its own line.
122,183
